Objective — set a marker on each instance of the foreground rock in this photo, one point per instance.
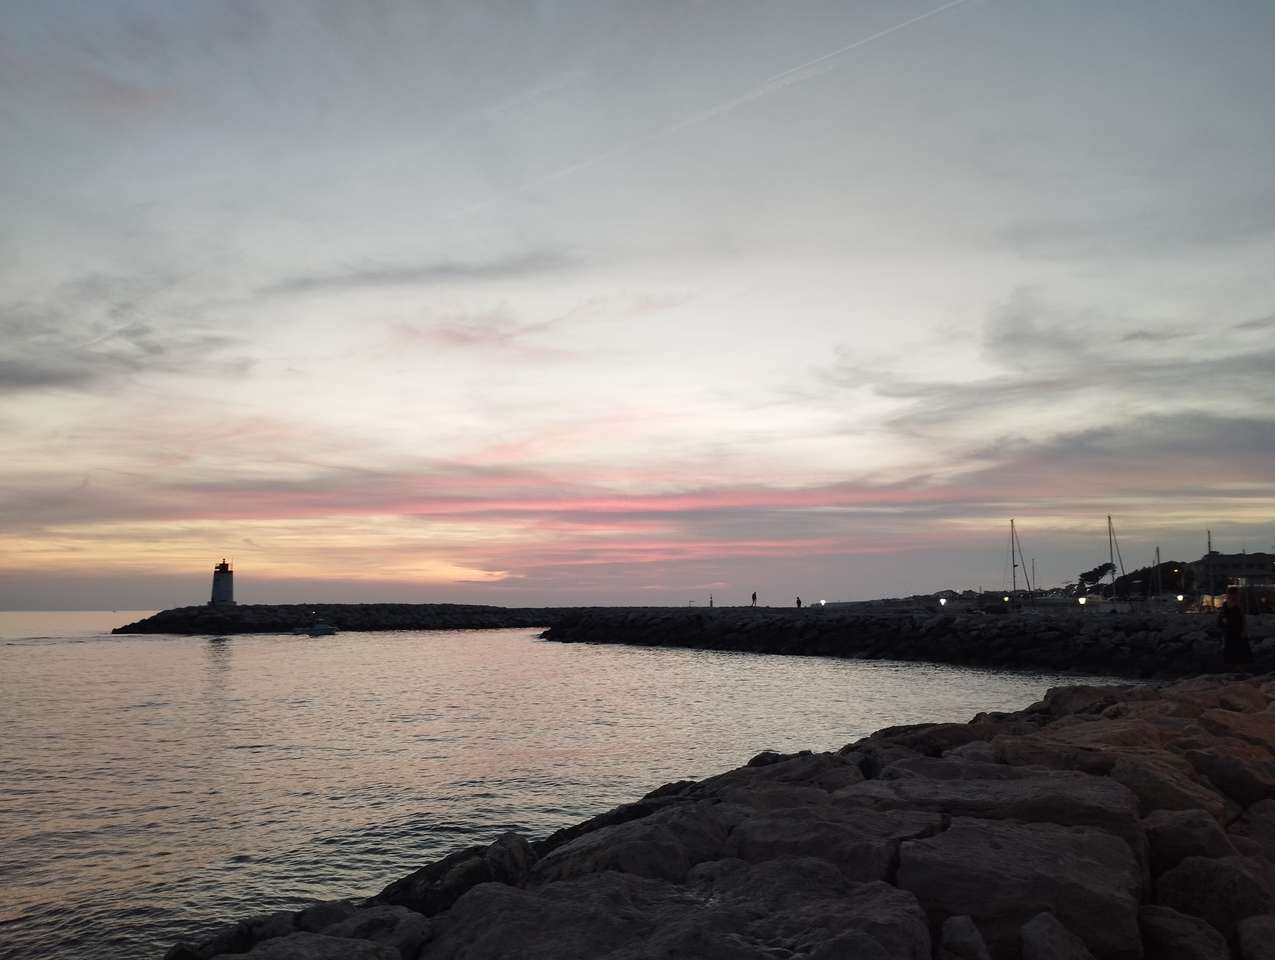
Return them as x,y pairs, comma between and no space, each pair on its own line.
1060,831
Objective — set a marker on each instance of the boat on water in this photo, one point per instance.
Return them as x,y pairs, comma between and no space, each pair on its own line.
314,630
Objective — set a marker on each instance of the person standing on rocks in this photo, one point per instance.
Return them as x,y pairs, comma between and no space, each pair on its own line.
1236,653
799,603
754,598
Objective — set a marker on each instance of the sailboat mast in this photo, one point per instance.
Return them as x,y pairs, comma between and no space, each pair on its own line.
1013,560
1111,555
1208,566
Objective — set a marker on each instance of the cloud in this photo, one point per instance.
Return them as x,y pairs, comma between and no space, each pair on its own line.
1164,229
1043,357
429,274
96,329
16,376
1258,323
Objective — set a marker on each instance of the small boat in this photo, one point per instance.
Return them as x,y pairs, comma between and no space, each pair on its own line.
314,630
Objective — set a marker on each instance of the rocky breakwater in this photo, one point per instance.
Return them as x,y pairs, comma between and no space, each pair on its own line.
1130,644
1114,823
284,617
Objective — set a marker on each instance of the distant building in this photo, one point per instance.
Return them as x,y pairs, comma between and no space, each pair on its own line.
1214,572
223,588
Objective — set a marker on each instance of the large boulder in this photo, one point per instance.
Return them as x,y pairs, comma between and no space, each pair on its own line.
1003,874
826,771
1170,935
1241,770
1164,781
1257,937
1258,826
1068,799
959,939
953,767
1173,835
398,927
315,946
790,897
728,911
1255,728
578,920
437,886
1075,699
1223,891
862,843
663,846
1045,938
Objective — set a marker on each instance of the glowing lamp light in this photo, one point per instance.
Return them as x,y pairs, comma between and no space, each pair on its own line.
822,602
942,601
1006,599
1082,601
1181,598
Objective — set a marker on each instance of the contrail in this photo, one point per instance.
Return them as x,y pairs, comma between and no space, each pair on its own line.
786,78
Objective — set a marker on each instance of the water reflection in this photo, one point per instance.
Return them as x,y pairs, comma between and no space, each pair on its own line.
156,785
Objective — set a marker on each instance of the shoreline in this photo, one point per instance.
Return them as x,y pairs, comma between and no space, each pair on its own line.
1116,822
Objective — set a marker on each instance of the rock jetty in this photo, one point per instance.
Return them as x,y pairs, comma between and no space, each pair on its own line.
1134,644
1114,823
285,617
1118,644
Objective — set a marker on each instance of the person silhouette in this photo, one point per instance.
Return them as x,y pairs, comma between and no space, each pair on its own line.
710,599
754,598
1236,653
799,603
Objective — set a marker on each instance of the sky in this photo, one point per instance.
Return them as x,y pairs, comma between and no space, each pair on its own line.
588,301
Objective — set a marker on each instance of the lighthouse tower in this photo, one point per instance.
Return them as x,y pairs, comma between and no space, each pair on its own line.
223,590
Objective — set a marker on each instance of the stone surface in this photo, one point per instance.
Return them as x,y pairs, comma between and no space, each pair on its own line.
1163,781
1170,935
1045,938
391,926
1003,874
314,946
1258,825
436,887
1070,799
960,940
1257,937
1243,772
863,844
1222,891
663,846
1173,835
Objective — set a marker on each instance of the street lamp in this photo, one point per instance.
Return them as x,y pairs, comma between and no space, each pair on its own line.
1181,597
942,601
1081,601
1006,599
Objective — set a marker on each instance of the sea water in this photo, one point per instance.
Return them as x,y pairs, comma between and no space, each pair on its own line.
152,787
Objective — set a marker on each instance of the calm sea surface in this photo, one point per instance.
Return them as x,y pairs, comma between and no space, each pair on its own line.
152,787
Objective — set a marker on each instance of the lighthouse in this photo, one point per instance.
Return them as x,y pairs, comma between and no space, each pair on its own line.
223,590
